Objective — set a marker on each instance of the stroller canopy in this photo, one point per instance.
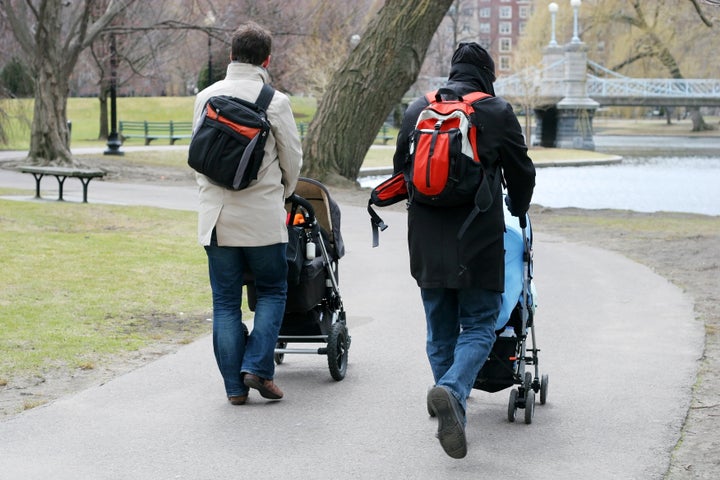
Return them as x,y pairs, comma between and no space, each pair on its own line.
327,211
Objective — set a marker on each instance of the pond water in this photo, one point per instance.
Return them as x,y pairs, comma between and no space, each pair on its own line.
643,184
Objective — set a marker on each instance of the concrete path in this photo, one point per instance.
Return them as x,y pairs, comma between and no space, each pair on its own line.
619,342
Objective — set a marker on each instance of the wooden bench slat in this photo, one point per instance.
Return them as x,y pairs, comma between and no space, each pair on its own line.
150,131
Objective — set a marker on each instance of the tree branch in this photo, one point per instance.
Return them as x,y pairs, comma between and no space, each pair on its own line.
701,14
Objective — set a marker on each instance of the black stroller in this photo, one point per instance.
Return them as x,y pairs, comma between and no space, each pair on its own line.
511,354
313,311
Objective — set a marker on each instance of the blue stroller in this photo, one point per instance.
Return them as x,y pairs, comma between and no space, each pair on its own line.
511,354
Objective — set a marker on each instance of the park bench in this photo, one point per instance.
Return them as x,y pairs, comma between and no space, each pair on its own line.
383,135
61,173
150,131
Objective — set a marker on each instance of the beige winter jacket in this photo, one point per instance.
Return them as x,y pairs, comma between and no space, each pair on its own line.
254,216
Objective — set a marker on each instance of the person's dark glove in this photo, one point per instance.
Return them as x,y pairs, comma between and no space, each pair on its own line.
522,216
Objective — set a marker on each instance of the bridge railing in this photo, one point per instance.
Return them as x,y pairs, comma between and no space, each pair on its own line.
518,86
652,87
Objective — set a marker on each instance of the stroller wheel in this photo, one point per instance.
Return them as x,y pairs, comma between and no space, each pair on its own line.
528,381
544,380
280,357
337,350
529,406
512,405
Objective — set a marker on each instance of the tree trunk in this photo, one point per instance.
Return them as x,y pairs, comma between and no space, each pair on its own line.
366,87
49,142
698,122
53,35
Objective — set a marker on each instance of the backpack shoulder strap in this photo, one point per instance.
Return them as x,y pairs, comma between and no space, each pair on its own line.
265,97
475,96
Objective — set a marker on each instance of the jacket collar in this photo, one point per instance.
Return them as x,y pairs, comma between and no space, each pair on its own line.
245,71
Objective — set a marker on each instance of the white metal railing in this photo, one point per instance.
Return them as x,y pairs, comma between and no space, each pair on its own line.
533,82
652,87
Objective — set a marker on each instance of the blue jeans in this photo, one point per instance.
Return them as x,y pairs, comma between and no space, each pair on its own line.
460,335
235,351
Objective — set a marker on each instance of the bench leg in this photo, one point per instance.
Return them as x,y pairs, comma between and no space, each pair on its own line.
61,182
38,177
85,182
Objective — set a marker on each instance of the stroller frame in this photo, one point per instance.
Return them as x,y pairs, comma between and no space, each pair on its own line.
330,325
504,369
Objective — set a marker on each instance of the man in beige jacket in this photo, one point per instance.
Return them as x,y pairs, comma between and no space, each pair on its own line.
245,230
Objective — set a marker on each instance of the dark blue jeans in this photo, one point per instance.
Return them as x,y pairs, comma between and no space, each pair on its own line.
460,335
234,352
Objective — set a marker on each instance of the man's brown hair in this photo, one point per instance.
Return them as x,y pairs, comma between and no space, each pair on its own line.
251,43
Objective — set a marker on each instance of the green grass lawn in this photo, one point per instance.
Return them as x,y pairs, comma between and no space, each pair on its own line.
84,115
81,282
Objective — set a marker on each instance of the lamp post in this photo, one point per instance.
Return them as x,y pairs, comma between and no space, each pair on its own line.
553,8
575,4
113,142
209,22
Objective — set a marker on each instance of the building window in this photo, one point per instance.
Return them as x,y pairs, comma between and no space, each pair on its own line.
505,45
485,28
505,28
485,43
485,12
505,12
524,11
504,63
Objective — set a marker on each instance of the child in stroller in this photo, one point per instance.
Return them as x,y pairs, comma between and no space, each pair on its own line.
510,355
314,311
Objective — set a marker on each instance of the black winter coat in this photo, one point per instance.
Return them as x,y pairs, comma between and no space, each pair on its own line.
437,258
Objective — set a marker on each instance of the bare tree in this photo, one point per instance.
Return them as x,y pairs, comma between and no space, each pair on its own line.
453,29
367,85
53,34
653,44
651,39
145,39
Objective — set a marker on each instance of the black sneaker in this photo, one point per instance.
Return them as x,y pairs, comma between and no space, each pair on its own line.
451,427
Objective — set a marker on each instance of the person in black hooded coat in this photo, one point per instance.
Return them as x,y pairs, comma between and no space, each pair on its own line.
462,279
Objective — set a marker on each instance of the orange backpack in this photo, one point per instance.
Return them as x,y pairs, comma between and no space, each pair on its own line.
444,167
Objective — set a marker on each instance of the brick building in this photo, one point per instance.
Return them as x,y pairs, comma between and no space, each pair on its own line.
497,25
500,23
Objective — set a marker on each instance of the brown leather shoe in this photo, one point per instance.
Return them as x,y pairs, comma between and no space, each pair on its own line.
267,388
238,400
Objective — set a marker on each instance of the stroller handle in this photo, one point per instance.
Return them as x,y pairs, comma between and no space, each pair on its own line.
296,199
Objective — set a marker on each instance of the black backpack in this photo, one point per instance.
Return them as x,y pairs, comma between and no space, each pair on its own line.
228,144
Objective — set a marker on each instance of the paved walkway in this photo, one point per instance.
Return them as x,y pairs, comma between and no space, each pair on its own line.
619,342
